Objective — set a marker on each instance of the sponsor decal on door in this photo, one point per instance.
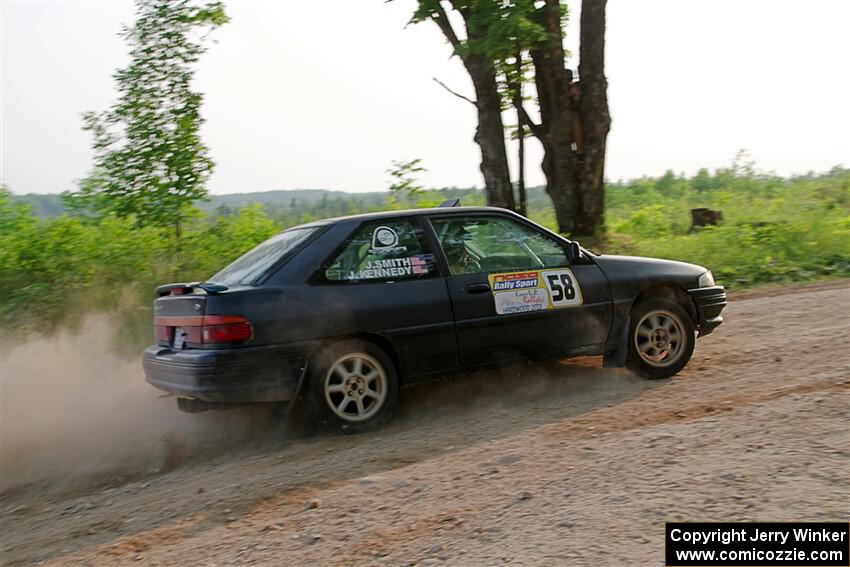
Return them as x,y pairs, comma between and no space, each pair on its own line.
537,290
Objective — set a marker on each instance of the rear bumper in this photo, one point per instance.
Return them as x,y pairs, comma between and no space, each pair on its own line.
246,374
709,302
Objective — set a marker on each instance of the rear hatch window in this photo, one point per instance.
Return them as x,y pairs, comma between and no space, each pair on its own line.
255,263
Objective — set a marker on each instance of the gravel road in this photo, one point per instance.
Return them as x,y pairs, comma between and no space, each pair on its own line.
553,464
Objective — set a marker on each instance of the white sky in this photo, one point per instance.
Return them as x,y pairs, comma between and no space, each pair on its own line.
324,94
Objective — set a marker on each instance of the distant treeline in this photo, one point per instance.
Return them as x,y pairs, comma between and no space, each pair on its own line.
292,206
286,204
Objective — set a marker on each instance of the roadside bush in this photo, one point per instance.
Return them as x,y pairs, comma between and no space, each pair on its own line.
54,271
774,230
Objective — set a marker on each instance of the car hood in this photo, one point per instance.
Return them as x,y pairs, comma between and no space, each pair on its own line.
639,267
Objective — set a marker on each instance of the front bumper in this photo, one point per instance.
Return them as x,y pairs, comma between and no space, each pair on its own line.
245,374
709,302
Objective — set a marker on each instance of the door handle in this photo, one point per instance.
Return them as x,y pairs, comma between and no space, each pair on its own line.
478,288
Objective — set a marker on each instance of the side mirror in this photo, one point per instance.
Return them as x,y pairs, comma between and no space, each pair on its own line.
573,251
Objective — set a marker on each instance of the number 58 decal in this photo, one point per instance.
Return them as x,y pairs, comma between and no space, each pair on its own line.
563,287
534,290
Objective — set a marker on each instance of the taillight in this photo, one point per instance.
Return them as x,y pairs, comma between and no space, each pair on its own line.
202,329
217,329
162,333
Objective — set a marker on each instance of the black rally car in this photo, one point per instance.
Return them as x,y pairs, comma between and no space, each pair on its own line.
348,310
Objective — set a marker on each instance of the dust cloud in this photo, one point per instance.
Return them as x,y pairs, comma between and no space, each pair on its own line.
71,408
73,412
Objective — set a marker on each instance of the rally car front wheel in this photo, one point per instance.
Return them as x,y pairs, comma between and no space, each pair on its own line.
661,339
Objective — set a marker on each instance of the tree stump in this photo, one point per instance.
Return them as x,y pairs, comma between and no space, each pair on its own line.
705,217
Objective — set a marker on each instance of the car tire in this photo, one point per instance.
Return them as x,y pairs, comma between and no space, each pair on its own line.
352,387
661,339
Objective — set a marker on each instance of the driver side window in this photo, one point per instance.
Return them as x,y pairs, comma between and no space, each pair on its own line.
485,243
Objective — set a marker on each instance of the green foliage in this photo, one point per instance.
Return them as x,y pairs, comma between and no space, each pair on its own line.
53,271
501,31
506,27
150,163
403,175
774,230
497,28
209,241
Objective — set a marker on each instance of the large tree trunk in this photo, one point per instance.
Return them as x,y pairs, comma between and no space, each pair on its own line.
556,113
490,134
595,118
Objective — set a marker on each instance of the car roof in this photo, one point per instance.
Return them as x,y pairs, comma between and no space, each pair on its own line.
378,215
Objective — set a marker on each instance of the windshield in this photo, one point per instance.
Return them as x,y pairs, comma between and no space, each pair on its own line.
259,259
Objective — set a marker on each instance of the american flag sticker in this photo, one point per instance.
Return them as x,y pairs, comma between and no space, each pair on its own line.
419,265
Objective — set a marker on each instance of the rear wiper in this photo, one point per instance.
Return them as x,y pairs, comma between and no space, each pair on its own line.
211,288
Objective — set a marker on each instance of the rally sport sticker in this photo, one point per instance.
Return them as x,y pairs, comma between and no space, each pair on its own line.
521,292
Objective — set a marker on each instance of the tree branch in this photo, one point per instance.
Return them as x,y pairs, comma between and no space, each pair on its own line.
467,99
536,129
442,20
462,10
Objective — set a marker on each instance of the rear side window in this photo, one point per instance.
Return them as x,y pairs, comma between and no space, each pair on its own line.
384,251
253,264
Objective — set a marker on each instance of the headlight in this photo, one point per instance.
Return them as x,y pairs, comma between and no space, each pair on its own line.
707,279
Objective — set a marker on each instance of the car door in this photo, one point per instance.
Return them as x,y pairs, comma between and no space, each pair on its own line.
513,292
384,279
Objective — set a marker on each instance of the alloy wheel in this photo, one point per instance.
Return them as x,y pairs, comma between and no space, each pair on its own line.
659,337
355,387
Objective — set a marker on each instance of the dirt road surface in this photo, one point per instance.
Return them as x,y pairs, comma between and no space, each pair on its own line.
555,464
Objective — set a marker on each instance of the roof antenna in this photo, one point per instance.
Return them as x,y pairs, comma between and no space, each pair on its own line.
450,203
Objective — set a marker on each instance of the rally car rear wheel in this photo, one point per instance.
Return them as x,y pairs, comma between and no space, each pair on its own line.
353,386
661,338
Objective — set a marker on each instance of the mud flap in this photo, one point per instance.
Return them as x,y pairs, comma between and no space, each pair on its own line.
284,408
617,357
